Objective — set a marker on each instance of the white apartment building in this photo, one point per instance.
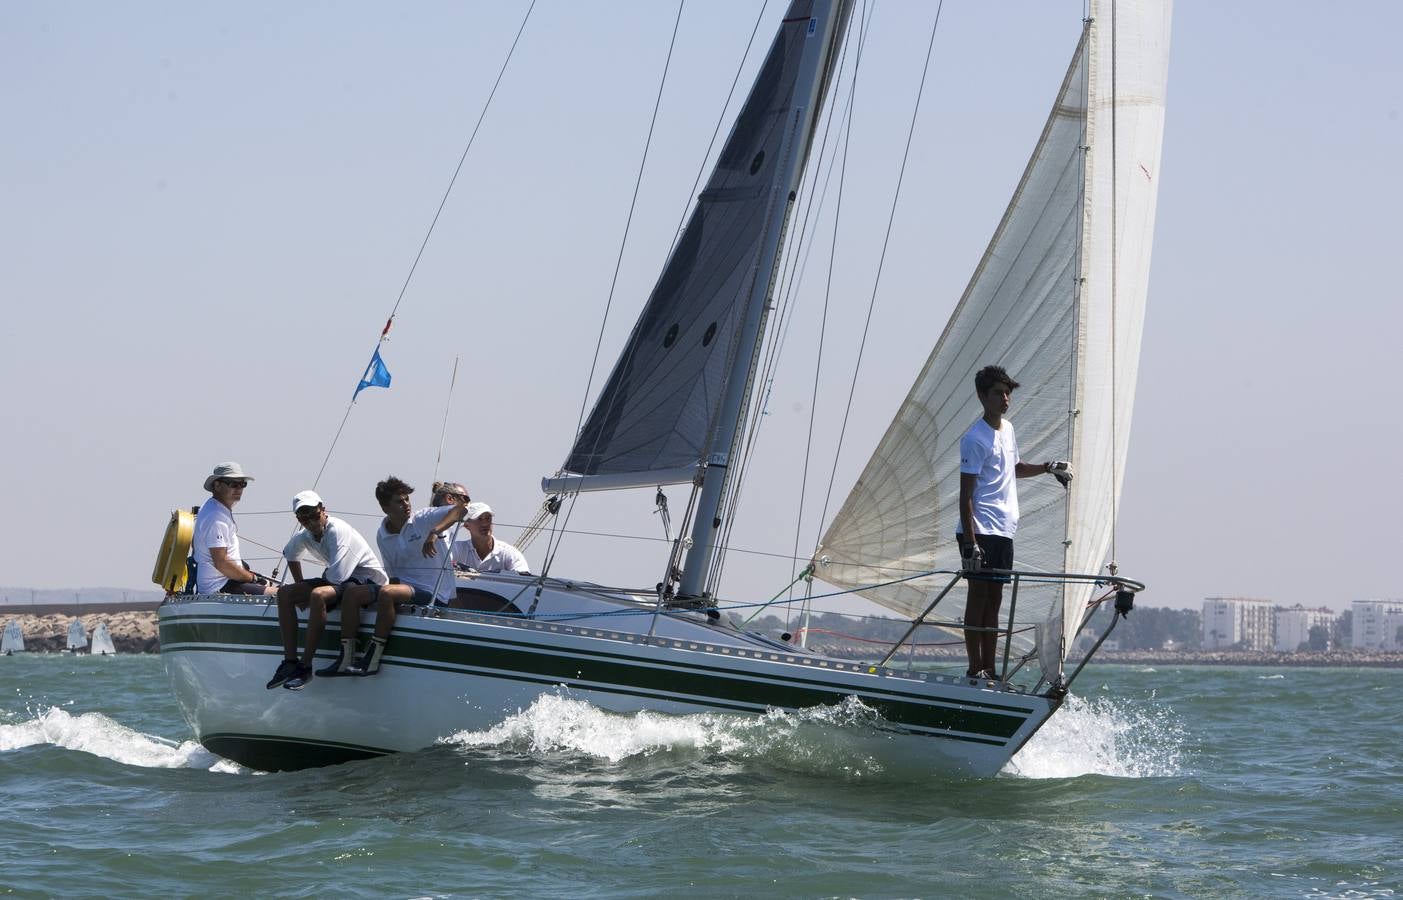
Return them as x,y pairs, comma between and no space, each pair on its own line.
1230,622
1376,624
1293,625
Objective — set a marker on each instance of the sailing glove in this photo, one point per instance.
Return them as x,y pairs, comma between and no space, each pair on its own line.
971,557
1061,470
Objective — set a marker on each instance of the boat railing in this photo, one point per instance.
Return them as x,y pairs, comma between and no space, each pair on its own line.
1122,588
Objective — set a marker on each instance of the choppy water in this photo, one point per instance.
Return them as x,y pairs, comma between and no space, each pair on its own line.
1178,782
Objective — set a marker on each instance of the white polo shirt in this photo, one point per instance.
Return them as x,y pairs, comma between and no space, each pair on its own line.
342,550
403,554
502,558
214,527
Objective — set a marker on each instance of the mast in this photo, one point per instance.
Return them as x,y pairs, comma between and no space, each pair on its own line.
827,20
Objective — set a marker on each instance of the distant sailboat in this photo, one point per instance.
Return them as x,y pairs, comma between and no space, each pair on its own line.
102,641
13,641
77,636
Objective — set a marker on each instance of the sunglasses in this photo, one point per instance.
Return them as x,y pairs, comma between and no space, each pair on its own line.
234,484
306,514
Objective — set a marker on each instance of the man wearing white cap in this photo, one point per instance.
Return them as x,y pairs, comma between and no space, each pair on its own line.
219,569
483,552
353,577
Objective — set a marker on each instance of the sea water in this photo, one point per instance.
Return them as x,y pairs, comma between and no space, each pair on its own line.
1194,782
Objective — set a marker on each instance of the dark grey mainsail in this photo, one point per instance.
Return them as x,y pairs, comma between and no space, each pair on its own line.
657,418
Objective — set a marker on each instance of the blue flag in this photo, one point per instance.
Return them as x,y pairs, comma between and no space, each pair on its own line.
376,375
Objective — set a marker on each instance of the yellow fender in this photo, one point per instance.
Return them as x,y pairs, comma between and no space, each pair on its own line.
171,572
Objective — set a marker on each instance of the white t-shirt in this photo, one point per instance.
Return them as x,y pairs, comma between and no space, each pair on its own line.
214,527
993,457
502,558
403,554
342,550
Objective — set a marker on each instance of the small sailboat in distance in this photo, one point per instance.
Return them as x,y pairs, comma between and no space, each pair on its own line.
77,636
13,641
102,641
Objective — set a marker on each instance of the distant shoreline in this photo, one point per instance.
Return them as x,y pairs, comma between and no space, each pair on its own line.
135,631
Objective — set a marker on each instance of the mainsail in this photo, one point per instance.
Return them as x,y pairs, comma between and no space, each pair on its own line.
1058,299
77,635
102,641
655,419
13,641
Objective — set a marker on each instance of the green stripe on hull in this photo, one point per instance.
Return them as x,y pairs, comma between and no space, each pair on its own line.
617,673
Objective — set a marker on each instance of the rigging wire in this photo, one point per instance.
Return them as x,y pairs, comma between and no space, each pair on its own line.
1115,280
553,542
877,279
447,406
777,336
538,521
384,333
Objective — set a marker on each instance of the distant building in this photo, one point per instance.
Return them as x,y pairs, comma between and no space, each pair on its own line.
1376,624
1237,623
1293,626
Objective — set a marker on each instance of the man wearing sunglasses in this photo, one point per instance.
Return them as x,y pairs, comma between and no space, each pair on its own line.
353,574
219,569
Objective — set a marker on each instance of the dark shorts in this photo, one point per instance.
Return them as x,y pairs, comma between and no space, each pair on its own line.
998,554
242,587
340,589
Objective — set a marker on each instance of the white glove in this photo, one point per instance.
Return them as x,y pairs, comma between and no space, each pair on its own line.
971,558
1061,470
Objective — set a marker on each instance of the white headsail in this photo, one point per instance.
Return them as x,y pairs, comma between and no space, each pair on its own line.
1058,300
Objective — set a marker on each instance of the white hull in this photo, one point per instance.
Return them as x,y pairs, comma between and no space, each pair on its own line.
470,671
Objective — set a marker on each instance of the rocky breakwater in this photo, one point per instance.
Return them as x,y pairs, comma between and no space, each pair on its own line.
132,632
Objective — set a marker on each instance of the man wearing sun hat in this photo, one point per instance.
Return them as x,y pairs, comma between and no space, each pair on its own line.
219,569
352,569
482,551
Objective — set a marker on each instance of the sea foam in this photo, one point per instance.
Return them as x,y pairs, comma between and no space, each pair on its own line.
99,735
1104,736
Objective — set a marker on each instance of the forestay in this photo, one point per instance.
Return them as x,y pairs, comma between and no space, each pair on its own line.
1041,303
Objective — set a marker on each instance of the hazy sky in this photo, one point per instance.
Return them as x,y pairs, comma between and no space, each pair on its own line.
206,214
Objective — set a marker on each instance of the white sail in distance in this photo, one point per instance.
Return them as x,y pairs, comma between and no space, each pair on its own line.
1058,300
102,641
77,635
13,641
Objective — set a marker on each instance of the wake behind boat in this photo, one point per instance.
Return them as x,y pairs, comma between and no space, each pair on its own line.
1058,298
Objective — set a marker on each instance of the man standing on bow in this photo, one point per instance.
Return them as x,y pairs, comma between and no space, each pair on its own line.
989,467
219,569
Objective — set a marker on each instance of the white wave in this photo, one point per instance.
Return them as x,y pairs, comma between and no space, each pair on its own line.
1103,736
1276,677
809,740
99,735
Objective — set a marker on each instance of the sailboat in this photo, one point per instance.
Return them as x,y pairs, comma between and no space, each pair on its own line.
102,641
13,641
1058,298
77,636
